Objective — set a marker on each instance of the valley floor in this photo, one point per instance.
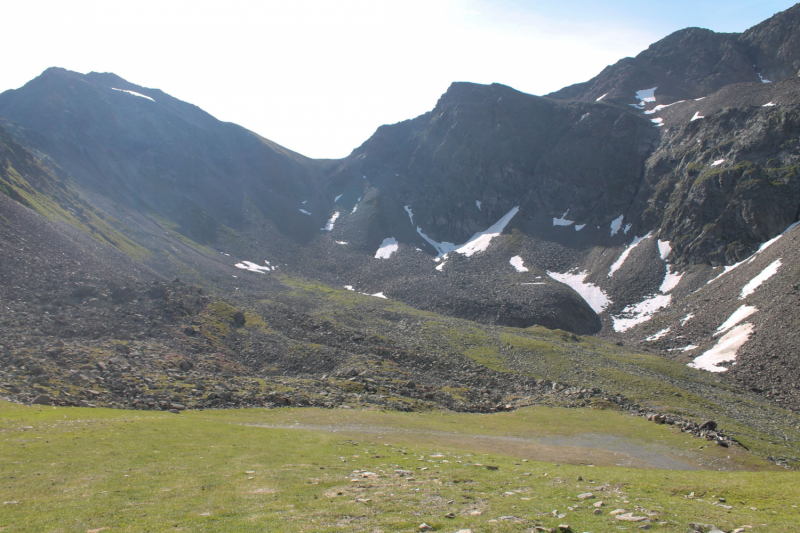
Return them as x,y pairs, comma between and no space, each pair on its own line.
79,469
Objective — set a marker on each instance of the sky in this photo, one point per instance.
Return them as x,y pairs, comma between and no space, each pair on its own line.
319,76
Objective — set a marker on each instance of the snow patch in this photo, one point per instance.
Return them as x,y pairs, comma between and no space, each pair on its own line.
379,295
410,214
624,255
304,211
697,116
717,162
387,248
671,281
616,224
627,228
134,93
583,116
601,97
478,243
754,283
659,335
647,95
686,319
337,198
761,248
563,221
763,79
253,267
641,312
737,316
340,242
518,264
355,206
657,121
725,350
591,293
478,204
349,287
770,104
329,225
664,248
579,227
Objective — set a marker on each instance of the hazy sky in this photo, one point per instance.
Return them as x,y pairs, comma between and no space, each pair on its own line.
320,76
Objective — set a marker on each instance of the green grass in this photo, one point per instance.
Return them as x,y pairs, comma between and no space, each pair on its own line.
77,470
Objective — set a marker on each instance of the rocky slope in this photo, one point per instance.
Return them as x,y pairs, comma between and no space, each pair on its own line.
605,208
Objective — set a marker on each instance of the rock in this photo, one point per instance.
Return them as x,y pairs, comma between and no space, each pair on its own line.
450,515
42,399
173,411
189,331
464,531
597,511
628,517
239,319
424,527
644,526
585,496
598,504
491,467
709,425
564,527
177,406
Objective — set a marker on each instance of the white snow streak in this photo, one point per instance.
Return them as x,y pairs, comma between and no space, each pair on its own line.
641,312
770,104
133,93
737,316
765,274
697,116
659,335
717,162
686,319
579,227
387,248
647,95
763,79
563,221
624,255
478,203
518,264
329,225
601,97
379,295
410,214
304,211
253,267
657,121
671,281
616,224
337,198
478,243
591,293
725,350
761,248
355,206
664,248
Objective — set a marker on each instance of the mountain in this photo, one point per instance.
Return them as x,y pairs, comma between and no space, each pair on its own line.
654,207
695,62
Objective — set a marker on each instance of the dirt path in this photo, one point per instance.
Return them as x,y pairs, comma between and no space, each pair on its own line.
585,449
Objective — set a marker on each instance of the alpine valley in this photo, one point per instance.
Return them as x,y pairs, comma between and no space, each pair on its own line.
630,243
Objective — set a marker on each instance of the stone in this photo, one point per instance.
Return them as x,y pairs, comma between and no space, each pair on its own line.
239,319
424,527
491,467
450,515
644,526
586,496
628,517
598,504
597,511
564,527
42,399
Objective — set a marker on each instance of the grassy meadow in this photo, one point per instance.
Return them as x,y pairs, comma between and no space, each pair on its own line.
309,470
